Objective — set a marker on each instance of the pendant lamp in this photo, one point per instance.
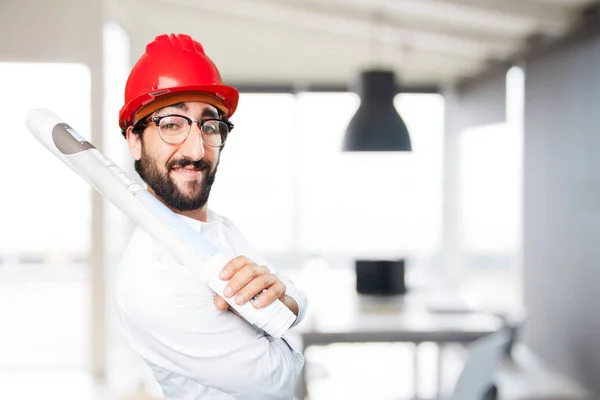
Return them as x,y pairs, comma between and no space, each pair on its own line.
376,126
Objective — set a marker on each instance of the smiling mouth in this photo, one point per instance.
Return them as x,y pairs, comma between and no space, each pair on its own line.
189,171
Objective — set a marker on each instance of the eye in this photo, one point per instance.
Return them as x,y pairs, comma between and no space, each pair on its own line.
210,128
171,126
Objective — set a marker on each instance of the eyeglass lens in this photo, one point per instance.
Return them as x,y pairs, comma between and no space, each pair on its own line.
174,129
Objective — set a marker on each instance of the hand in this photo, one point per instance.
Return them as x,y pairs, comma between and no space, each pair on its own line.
246,280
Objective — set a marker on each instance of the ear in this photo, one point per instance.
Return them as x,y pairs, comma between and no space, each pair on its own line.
134,142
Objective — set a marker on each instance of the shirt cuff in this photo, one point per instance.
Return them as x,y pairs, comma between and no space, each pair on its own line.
299,297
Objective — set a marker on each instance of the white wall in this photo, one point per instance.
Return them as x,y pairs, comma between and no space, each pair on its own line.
57,30
562,209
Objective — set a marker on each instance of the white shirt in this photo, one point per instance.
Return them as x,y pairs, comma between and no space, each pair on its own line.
195,351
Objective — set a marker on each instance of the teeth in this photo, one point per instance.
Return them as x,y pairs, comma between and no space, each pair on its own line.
185,169
188,168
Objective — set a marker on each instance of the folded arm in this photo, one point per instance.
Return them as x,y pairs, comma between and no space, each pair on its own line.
185,333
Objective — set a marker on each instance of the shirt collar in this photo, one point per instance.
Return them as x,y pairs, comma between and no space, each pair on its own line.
214,220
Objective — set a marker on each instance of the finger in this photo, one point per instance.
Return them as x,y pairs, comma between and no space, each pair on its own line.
255,287
220,303
233,266
274,292
243,277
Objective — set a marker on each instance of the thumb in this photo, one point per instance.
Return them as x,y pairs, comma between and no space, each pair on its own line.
220,303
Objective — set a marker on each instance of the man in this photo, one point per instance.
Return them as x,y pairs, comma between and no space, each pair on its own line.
175,120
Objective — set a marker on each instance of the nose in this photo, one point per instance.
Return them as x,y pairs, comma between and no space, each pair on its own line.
192,146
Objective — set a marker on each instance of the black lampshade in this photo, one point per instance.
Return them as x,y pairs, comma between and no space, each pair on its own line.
377,126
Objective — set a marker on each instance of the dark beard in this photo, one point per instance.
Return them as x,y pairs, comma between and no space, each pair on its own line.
165,188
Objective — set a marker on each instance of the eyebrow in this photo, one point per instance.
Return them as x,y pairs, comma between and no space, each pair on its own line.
210,113
207,112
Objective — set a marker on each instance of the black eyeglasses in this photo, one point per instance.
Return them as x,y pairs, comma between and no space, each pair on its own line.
175,128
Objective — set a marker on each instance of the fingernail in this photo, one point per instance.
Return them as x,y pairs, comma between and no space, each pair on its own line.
239,299
223,274
227,292
256,303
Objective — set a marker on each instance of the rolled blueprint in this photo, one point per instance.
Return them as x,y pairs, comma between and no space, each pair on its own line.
202,257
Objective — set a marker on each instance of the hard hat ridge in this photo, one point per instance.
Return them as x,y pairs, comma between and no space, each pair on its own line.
175,42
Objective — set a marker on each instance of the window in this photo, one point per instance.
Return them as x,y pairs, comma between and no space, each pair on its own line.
284,180
45,228
255,185
45,209
369,204
490,172
490,192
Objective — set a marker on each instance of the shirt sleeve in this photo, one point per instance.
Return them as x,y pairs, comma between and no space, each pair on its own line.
298,295
241,246
176,326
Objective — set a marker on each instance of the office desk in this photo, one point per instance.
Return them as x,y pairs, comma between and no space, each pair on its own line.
349,318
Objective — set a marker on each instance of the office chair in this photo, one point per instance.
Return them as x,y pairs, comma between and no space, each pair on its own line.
476,379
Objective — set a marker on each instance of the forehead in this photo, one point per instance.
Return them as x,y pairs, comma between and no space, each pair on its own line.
191,107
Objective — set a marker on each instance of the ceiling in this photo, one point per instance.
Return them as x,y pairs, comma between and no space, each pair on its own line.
327,42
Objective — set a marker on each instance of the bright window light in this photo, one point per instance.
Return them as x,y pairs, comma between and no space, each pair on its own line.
490,173
45,206
284,180
254,186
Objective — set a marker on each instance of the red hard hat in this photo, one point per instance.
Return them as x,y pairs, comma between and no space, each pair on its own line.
174,66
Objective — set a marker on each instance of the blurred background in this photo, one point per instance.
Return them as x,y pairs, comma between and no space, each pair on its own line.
489,224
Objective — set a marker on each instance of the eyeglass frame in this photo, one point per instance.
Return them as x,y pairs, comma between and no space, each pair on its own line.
157,118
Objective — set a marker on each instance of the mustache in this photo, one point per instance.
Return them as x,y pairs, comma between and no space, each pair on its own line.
184,162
